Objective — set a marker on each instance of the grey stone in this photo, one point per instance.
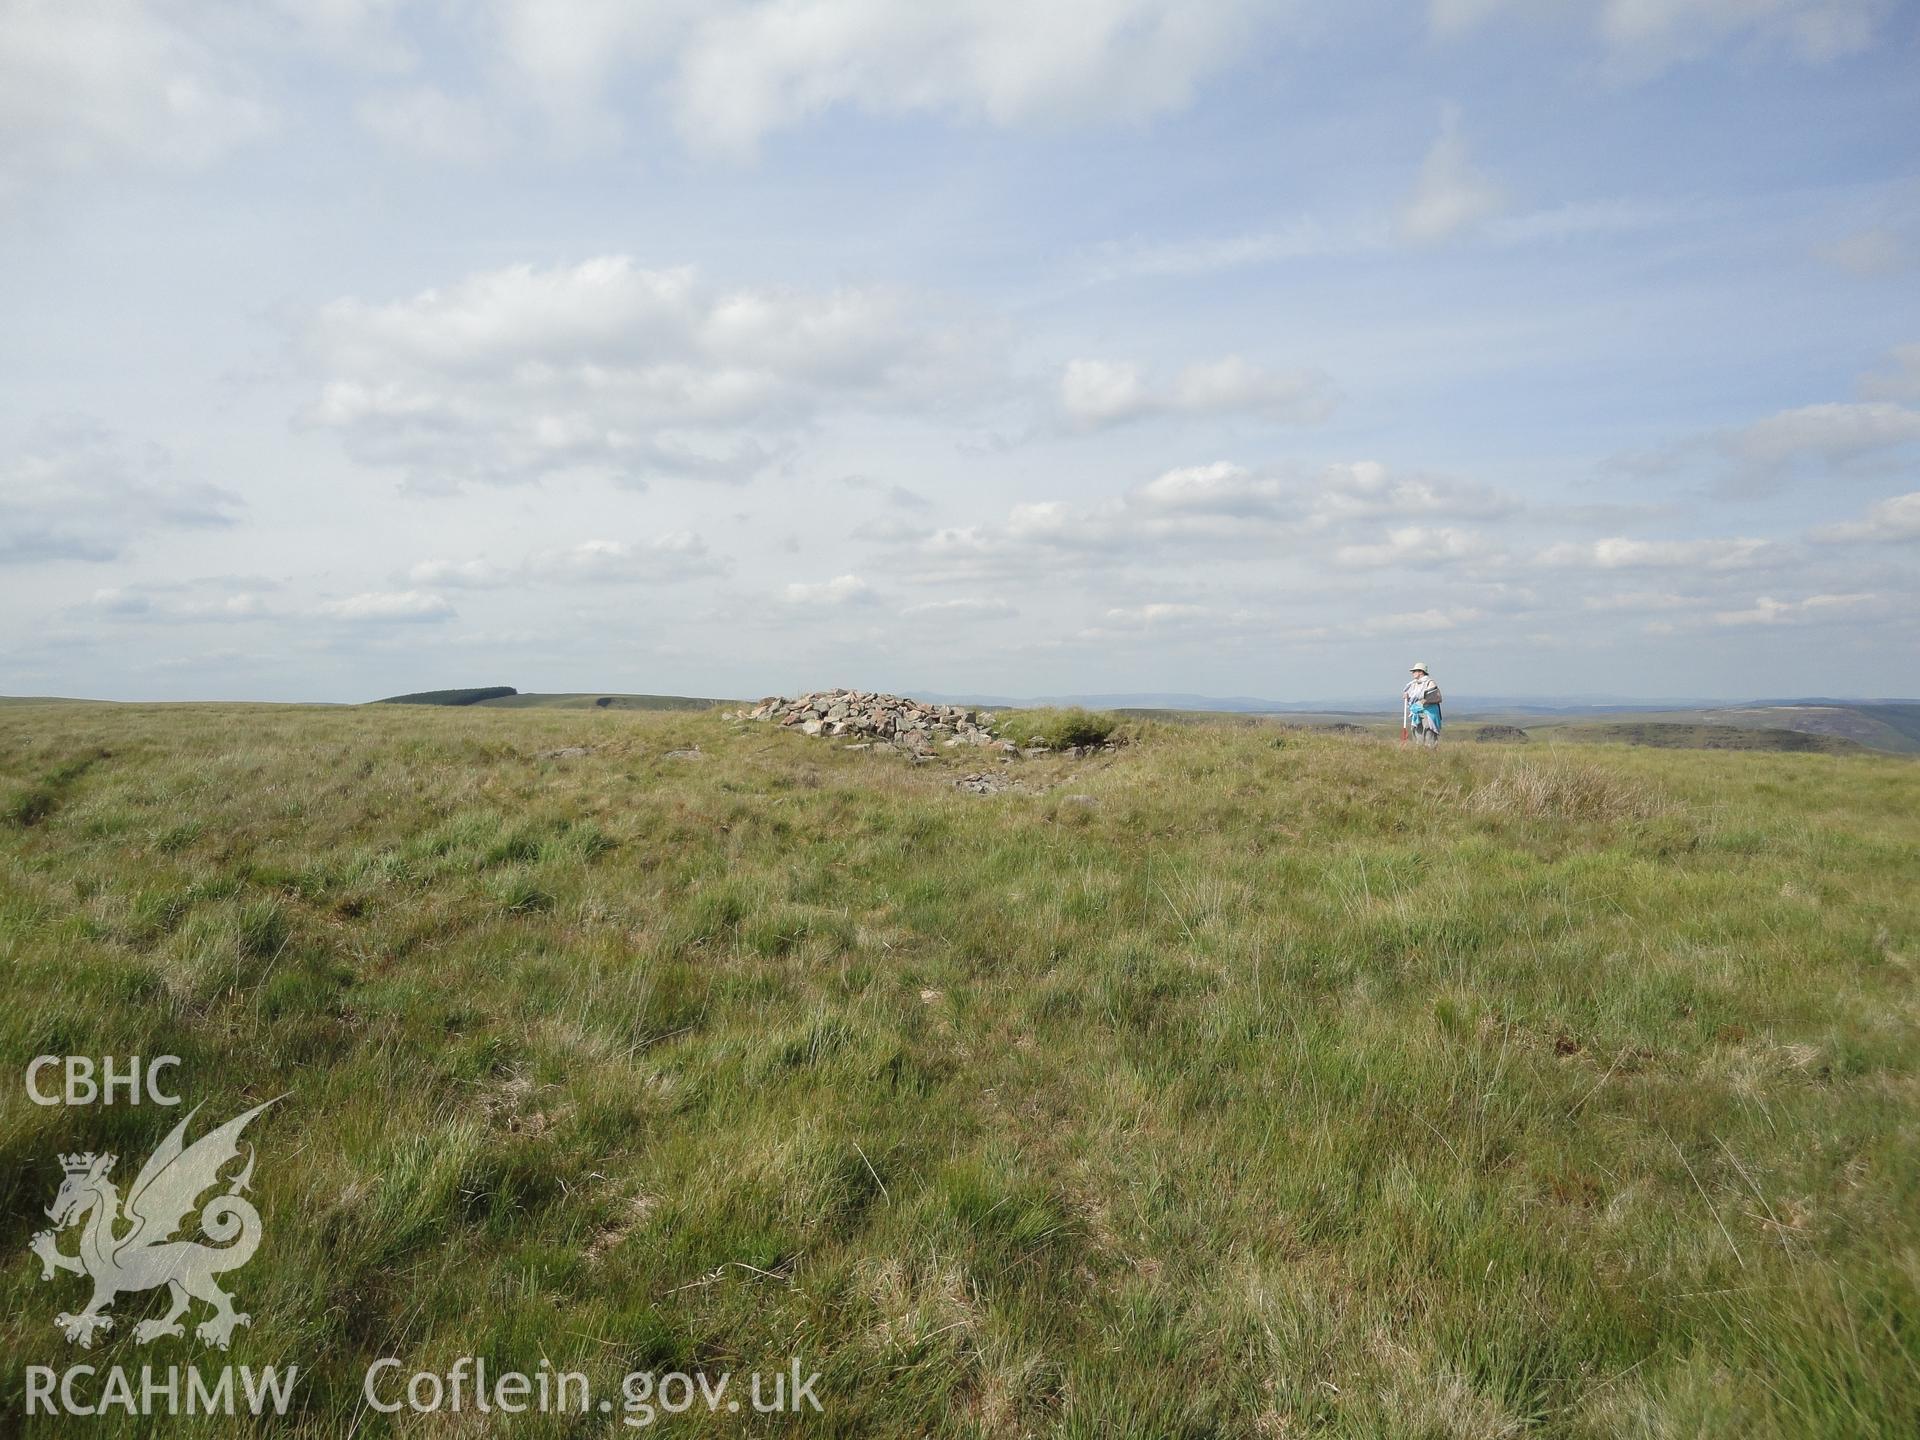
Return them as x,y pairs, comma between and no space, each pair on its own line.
910,724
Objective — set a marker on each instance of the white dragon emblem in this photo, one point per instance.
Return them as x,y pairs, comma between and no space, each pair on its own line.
147,1256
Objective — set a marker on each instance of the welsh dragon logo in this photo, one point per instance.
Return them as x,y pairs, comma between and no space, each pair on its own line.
133,1250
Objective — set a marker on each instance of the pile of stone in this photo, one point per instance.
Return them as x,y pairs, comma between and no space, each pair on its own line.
879,720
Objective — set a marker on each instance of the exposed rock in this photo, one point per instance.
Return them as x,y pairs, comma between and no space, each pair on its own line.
692,753
1508,734
565,752
984,784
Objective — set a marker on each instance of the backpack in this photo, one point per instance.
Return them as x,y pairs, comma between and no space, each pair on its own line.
1433,695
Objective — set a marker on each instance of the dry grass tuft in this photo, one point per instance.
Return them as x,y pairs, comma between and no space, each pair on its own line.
1557,791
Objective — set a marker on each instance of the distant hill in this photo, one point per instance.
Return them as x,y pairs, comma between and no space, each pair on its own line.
1681,736
451,697
1887,725
1881,725
505,697
599,700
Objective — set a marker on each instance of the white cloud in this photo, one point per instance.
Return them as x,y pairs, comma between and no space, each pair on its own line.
1333,495
516,373
75,490
1311,239
1642,37
360,33
1451,194
1101,392
1873,252
425,121
1831,434
965,608
397,606
1222,488
679,555
161,603
1156,613
1233,385
1366,489
1764,456
1219,511
463,574
747,70
1418,622
1182,622
1652,33
1301,240
894,493
565,54
1902,382
732,71
841,590
1590,219
1614,601
120,602
1894,519
1413,547
1768,611
1098,393
87,83
1618,553
890,530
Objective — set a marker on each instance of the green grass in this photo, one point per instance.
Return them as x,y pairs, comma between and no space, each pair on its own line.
1237,1082
1059,728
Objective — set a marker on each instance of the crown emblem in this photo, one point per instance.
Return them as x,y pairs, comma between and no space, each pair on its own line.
80,1164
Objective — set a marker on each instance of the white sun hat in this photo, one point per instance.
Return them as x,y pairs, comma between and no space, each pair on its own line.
1419,665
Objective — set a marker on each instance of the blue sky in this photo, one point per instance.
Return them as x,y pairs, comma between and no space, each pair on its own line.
1228,346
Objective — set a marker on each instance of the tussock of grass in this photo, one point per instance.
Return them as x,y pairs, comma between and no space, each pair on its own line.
1058,728
27,805
1311,1089
1565,791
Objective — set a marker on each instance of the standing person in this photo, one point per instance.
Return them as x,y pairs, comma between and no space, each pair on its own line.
1421,706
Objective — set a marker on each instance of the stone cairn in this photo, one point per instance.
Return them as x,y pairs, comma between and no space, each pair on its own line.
877,721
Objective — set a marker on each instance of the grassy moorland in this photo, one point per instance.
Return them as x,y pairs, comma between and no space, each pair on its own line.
1237,1083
